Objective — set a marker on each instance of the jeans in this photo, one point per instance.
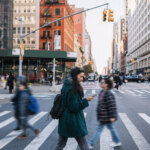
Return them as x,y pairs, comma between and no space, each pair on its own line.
81,141
111,127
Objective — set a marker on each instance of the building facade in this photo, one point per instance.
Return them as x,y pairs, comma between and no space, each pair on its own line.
28,10
139,37
6,24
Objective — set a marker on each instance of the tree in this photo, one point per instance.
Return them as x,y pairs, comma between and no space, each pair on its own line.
87,69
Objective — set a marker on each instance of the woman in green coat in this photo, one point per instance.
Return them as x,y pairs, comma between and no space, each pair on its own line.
72,123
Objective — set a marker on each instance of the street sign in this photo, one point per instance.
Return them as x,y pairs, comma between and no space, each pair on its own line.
16,52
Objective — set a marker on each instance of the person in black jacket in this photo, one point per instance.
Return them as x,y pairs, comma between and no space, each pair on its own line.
10,82
106,114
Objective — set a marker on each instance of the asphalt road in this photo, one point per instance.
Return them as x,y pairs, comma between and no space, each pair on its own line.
133,125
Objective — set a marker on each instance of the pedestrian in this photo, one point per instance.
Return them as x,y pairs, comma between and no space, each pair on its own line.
72,123
21,103
106,114
10,81
117,81
100,79
6,83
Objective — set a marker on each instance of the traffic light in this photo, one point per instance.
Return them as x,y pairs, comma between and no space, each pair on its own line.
110,16
104,15
90,62
132,60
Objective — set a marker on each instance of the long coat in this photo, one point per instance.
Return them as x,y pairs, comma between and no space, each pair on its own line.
72,123
106,108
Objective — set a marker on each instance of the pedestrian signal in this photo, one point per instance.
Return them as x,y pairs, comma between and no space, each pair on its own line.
104,15
110,16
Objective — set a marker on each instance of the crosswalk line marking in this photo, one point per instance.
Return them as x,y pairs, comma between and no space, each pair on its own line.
138,138
72,143
130,91
138,91
93,92
145,117
121,92
12,135
113,92
105,140
7,122
4,113
38,141
146,91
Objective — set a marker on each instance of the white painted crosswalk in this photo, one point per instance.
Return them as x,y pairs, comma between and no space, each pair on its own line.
104,143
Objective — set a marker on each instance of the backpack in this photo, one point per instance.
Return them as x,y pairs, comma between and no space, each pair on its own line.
57,109
33,107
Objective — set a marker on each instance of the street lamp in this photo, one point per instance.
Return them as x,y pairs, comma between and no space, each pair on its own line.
20,59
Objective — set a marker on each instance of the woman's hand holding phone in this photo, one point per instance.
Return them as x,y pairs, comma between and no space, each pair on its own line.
90,98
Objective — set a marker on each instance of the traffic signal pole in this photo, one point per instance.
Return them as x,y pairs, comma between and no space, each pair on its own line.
21,37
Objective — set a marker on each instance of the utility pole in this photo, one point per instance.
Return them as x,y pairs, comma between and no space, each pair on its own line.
20,59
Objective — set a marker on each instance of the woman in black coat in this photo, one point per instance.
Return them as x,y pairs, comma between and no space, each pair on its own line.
10,81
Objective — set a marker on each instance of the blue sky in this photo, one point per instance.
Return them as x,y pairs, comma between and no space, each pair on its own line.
100,32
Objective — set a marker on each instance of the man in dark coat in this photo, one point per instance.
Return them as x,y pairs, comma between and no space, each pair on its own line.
10,81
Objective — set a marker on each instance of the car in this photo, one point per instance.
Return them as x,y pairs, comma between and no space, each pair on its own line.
134,78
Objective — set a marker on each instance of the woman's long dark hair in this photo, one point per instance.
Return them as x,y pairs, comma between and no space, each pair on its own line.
76,84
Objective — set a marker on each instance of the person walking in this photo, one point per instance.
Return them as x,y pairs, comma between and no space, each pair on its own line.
106,114
72,123
100,78
10,81
21,103
117,81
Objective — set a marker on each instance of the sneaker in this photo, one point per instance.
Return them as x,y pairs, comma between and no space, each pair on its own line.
116,144
37,131
90,146
22,136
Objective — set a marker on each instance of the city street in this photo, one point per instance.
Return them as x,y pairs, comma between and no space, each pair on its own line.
133,124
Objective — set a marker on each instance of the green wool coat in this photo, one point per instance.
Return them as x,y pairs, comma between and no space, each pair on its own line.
72,123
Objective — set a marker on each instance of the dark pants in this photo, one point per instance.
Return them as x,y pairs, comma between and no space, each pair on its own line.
80,140
17,118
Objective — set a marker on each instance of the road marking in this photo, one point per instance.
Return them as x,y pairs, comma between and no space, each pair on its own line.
105,140
138,91
38,141
7,122
72,143
4,113
146,91
121,91
12,135
93,92
113,92
85,92
130,91
138,138
145,117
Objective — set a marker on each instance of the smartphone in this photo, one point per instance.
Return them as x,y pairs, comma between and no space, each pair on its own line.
94,95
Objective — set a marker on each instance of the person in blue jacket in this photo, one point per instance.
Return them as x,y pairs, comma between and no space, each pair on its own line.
72,123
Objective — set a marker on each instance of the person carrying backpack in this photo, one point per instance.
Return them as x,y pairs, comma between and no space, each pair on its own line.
106,114
21,102
72,122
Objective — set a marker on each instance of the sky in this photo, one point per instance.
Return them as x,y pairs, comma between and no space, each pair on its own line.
101,32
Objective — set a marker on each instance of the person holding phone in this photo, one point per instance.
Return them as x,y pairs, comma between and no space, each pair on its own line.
106,114
72,123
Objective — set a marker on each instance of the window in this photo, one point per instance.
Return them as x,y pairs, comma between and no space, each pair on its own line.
25,11
0,44
19,30
28,40
5,44
59,32
44,33
28,30
14,30
44,45
55,23
18,41
33,41
28,10
24,30
46,12
0,32
48,34
24,41
59,23
57,11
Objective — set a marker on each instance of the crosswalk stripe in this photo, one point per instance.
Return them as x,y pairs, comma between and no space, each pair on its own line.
105,140
138,91
130,91
38,141
113,92
7,122
72,144
138,138
12,135
121,92
146,91
4,113
145,117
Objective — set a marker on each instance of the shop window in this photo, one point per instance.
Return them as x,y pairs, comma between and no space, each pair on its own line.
57,11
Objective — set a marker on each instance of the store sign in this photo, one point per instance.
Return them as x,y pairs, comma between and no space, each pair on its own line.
72,54
16,52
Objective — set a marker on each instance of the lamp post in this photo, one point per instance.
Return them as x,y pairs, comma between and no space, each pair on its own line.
20,59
